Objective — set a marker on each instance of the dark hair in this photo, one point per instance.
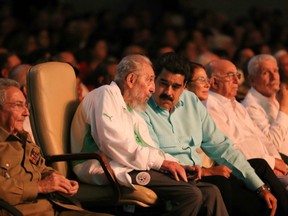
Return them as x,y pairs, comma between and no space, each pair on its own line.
193,67
173,63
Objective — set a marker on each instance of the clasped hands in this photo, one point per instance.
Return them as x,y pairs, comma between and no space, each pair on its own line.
180,172
57,183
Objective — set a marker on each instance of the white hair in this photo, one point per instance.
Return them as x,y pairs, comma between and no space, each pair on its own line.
254,63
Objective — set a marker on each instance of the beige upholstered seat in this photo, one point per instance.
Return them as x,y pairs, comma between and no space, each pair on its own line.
53,98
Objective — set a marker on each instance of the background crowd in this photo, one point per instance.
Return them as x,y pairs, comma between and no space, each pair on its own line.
95,41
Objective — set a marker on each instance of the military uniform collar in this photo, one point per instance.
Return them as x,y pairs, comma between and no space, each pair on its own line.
5,136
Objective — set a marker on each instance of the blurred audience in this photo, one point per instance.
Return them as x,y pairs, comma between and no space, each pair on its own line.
7,62
68,57
92,37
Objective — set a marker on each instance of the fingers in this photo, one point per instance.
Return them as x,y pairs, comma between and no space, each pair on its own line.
193,172
199,172
175,169
180,173
278,173
59,183
270,200
272,204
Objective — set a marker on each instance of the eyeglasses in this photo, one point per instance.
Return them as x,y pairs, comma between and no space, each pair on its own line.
19,105
230,76
201,80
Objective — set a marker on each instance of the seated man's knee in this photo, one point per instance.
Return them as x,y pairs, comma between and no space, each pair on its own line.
193,193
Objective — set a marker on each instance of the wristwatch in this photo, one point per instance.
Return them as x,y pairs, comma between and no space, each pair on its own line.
262,188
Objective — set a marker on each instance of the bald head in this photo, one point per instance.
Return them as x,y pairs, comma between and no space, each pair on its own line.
19,73
219,67
224,77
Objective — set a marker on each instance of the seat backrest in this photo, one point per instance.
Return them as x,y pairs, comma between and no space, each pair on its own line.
52,94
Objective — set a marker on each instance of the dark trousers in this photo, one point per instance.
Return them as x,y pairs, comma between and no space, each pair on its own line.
185,198
284,158
267,175
239,200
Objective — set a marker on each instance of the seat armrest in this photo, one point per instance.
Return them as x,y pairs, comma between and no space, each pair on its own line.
91,155
9,208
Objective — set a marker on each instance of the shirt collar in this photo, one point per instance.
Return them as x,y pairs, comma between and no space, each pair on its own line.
119,95
221,98
5,136
259,97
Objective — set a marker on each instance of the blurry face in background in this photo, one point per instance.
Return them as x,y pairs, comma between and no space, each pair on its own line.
100,50
69,58
199,84
283,64
13,61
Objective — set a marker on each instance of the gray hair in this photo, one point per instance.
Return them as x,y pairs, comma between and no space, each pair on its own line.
129,64
4,85
254,63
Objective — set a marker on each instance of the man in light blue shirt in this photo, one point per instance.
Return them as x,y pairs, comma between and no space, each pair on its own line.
179,124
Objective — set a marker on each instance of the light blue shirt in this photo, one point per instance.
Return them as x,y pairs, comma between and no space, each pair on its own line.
186,128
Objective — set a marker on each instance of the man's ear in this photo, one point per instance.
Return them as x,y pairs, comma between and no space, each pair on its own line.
131,79
185,85
214,83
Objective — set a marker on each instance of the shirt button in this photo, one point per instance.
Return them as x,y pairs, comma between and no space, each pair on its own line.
7,165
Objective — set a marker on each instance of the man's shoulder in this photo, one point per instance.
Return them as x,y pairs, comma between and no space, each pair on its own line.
189,94
250,100
212,100
189,97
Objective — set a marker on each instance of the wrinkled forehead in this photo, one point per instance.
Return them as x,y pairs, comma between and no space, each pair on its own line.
14,94
199,72
269,63
146,70
170,77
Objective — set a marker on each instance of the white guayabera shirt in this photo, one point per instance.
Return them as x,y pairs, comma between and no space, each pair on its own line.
266,115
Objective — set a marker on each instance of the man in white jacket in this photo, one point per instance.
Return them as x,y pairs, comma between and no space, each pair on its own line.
106,121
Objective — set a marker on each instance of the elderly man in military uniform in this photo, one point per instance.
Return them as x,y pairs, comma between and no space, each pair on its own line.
26,182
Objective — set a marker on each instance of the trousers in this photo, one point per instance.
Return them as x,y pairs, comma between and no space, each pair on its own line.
185,198
239,200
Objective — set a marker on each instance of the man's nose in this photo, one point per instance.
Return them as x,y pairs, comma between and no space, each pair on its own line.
274,76
26,111
169,90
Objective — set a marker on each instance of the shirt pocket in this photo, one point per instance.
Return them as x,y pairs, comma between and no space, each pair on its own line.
169,144
6,167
